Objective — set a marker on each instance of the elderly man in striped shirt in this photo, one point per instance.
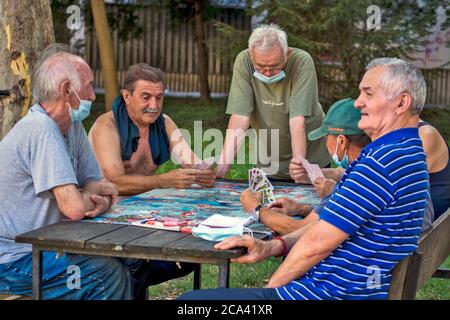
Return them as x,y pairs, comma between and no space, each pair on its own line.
374,217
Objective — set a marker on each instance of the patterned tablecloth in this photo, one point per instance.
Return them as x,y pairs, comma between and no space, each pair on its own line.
181,209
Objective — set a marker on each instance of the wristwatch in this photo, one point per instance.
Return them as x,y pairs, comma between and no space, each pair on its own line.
255,213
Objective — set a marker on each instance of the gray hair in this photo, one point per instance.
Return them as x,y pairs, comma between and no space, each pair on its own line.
265,37
53,48
52,71
402,77
142,71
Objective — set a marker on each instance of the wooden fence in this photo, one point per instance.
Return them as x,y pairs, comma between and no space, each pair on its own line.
174,51
438,87
171,49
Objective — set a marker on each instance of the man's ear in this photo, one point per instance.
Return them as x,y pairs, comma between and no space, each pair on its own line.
404,103
64,89
126,96
343,142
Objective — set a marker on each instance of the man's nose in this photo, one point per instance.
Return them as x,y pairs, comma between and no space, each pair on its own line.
152,104
359,103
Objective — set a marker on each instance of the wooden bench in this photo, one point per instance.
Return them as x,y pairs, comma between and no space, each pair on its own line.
13,297
410,275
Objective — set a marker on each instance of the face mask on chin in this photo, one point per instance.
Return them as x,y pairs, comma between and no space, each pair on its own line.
83,111
269,80
335,163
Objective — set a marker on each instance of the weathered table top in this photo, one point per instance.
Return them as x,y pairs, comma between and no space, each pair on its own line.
127,241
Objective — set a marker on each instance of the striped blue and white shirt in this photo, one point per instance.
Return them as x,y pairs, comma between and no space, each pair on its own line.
380,203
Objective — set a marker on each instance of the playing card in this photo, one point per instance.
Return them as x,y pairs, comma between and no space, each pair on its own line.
267,197
313,170
316,172
264,184
208,162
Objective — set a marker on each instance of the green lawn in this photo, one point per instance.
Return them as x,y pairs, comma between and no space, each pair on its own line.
184,112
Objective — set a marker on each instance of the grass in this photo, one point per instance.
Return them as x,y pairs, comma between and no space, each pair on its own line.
184,112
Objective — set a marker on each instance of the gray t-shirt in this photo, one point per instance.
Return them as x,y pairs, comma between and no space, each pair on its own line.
36,158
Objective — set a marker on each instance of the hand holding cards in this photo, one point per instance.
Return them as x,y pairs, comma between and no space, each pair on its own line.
207,176
207,163
313,170
258,182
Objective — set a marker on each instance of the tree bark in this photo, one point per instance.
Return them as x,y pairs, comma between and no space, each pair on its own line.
110,81
202,55
26,28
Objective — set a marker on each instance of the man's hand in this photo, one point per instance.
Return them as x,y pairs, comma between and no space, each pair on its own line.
102,187
257,250
297,172
179,178
206,178
324,187
250,200
290,207
102,204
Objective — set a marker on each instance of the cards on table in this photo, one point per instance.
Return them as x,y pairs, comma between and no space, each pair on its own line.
313,170
258,182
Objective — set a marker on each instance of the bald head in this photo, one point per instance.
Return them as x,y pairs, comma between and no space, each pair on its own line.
53,71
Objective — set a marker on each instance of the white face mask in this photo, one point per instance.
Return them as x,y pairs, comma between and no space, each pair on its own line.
218,234
219,227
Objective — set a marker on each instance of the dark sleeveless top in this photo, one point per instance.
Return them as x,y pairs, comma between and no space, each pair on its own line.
129,134
440,185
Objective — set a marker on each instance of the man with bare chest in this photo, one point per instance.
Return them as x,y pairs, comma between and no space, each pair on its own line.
135,138
132,141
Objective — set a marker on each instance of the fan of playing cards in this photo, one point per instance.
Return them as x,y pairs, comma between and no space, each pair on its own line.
258,182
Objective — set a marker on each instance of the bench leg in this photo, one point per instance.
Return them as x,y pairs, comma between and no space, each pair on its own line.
412,276
198,277
224,274
36,273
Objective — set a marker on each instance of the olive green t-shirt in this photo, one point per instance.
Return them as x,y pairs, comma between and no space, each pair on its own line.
272,106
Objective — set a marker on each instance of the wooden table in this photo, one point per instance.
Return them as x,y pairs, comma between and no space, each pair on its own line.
126,241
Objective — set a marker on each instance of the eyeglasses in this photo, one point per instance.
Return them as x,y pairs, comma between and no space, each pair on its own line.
268,69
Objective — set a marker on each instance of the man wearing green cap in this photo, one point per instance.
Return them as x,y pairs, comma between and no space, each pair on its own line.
344,141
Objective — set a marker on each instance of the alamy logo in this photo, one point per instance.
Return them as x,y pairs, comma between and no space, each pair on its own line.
374,280
74,280
73,22
373,22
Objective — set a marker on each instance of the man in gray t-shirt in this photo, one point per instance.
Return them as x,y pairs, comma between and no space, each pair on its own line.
38,158
49,173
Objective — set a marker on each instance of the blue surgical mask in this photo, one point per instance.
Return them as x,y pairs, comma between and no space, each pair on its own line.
83,111
218,234
335,163
269,80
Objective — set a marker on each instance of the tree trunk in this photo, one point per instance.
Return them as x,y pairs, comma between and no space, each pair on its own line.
109,72
26,28
202,55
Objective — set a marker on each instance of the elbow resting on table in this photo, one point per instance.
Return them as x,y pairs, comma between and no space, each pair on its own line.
75,212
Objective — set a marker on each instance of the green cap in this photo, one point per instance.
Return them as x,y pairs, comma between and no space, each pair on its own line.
342,118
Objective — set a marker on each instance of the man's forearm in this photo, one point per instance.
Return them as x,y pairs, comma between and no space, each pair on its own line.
129,185
314,244
281,223
298,136
233,140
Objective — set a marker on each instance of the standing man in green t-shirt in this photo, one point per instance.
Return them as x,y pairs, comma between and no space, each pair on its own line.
274,87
